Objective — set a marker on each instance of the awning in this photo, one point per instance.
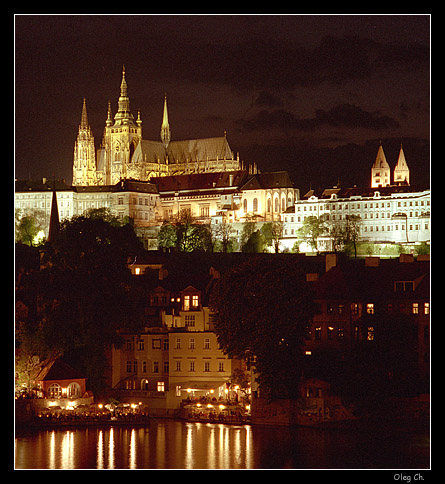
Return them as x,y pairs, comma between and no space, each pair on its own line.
201,385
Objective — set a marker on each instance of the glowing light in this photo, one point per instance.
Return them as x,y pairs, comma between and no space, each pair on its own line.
38,239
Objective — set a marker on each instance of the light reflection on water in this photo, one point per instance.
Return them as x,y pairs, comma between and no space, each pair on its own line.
180,445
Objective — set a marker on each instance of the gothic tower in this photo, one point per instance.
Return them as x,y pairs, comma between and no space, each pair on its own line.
401,170
165,128
120,140
380,171
84,166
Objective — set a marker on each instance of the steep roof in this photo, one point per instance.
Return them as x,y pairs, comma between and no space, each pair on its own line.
59,370
200,181
199,150
276,179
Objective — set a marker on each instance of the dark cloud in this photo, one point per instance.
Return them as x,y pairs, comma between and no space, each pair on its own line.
344,115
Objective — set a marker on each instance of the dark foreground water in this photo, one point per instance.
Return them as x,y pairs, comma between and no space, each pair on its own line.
169,444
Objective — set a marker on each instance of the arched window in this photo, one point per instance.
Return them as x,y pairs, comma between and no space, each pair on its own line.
54,391
73,390
269,205
283,204
255,204
245,205
277,204
144,384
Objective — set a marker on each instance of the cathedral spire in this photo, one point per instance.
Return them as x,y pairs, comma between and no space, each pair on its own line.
123,115
84,119
165,128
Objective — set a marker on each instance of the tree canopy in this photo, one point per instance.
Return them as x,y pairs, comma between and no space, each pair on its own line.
261,309
83,294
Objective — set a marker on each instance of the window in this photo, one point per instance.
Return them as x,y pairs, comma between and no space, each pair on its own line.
156,343
186,303
73,390
155,366
221,366
160,386
207,344
415,308
318,333
178,343
54,391
426,308
341,333
141,344
178,365
330,332
195,301
370,308
129,366
370,336
189,321
192,343
404,286
192,365
255,204
144,367
166,367
206,365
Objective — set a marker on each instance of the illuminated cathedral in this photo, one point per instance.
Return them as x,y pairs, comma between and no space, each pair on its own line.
123,152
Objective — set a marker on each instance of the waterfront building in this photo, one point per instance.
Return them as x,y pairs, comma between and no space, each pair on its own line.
176,358
370,300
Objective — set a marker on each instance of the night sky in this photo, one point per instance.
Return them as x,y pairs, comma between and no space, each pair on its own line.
313,95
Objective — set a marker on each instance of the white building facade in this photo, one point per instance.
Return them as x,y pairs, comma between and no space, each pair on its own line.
395,214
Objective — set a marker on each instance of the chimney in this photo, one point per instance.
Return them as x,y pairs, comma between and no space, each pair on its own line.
406,258
372,261
331,261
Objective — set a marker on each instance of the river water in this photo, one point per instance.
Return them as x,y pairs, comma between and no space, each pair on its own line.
170,444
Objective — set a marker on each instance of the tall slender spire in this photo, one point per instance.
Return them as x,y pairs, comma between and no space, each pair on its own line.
84,119
54,223
165,127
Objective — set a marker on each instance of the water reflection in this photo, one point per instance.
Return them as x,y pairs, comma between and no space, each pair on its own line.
180,445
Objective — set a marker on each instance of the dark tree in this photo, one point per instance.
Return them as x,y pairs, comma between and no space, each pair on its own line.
260,310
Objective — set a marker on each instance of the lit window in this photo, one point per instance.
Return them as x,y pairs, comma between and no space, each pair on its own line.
370,333
426,308
160,386
415,308
137,271
186,303
370,308
195,301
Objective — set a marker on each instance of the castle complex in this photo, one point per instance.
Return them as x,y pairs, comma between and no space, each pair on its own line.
153,182
125,154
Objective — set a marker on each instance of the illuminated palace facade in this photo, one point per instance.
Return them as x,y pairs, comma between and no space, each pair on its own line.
390,211
125,154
